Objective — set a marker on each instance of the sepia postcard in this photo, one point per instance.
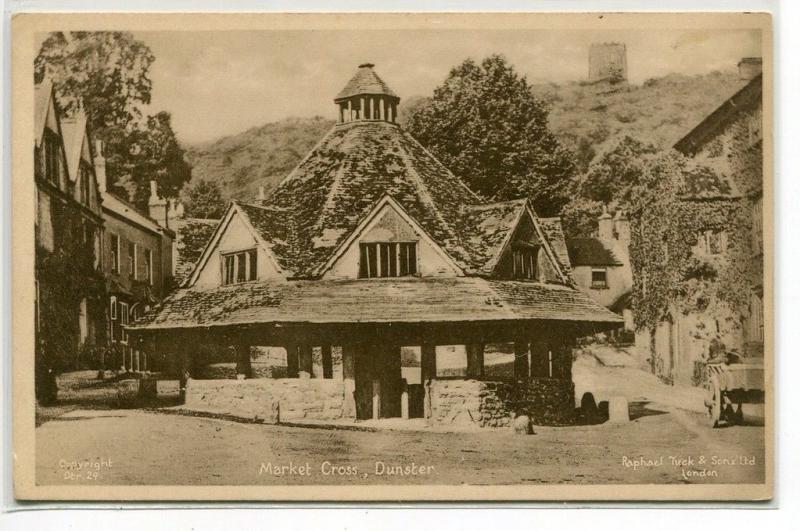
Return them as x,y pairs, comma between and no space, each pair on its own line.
418,257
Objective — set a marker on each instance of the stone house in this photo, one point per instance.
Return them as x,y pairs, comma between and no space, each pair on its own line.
369,256
137,263
727,252
601,266
68,234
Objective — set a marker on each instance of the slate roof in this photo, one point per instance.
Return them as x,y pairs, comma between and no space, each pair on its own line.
413,300
189,248
554,232
487,228
365,81
73,130
745,100
41,101
336,186
590,252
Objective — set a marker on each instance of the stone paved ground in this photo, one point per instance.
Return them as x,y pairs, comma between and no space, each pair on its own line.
152,447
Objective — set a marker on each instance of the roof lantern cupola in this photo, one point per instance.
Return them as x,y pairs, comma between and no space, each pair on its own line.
366,97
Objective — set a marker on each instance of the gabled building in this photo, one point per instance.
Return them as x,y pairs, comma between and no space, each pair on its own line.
601,266
137,264
370,246
718,199
68,232
730,140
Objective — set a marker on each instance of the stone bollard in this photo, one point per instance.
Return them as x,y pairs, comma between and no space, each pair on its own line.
522,425
618,410
127,393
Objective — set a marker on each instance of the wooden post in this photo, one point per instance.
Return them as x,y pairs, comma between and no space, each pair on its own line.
327,362
376,399
521,370
428,373
243,365
404,400
292,360
349,376
475,360
306,364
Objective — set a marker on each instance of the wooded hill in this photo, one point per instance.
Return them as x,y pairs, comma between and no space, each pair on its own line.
586,118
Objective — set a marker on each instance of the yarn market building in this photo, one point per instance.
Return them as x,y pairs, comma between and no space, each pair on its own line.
365,268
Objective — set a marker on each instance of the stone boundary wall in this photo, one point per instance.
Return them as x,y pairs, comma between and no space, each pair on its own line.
268,400
547,401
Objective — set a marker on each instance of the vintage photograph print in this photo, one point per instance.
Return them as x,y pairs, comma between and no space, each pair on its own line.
393,257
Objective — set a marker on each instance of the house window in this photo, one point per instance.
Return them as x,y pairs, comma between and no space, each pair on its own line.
714,242
524,262
599,278
241,266
123,320
115,248
387,259
132,260
52,157
148,266
113,308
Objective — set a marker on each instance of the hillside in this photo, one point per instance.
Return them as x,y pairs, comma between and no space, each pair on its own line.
260,156
586,118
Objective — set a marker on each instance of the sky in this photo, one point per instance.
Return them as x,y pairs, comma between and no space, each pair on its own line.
224,82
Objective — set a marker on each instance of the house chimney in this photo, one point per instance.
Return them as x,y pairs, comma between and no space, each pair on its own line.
749,67
156,206
261,194
605,226
100,166
622,227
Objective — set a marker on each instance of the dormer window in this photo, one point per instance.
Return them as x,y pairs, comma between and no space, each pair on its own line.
52,157
387,259
240,266
525,260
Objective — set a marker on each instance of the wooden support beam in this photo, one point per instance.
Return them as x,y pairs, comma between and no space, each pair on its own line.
349,375
243,365
404,399
521,370
292,360
428,374
306,363
428,362
376,399
475,360
327,362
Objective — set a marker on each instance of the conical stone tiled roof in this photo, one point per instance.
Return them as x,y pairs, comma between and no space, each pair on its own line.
343,178
365,81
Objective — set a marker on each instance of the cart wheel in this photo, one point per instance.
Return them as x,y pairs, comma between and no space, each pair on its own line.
738,417
713,401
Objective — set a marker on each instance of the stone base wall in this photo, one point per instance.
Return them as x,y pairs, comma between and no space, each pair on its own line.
268,400
547,401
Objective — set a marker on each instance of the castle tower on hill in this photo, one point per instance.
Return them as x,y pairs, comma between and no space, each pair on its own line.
608,62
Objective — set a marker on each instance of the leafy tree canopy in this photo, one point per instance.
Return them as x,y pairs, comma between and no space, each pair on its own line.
485,124
107,73
612,180
204,200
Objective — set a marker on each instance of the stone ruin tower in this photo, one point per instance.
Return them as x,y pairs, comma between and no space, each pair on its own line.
608,62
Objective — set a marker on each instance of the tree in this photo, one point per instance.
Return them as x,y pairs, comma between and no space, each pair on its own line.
485,124
611,181
204,200
108,74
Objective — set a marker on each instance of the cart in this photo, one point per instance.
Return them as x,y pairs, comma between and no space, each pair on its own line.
730,382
